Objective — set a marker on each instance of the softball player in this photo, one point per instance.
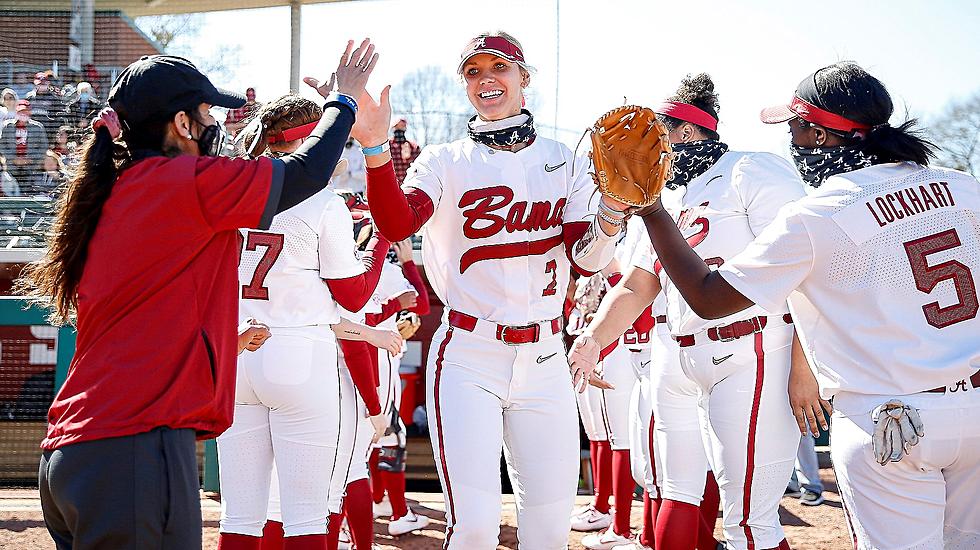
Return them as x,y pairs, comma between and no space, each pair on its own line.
740,364
504,217
401,289
878,266
597,515
286,404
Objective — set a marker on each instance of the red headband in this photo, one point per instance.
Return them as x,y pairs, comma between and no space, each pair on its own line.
816,115
292,134
687,113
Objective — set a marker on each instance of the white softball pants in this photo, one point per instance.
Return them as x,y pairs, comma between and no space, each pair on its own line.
926,501
679,450
483,395
751,434
287,407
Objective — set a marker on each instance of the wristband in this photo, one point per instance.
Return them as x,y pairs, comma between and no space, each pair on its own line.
609,219
344,99
376,150
611,212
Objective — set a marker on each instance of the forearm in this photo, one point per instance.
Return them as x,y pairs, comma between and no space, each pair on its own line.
353,292
357,357
708,294
397,215
411,272
799,367
307,170
588,247
619,308
350,330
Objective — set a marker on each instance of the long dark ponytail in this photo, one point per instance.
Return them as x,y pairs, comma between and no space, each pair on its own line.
53,280
848,90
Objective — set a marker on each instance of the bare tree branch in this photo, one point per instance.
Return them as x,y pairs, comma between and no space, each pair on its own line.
957,132
434,104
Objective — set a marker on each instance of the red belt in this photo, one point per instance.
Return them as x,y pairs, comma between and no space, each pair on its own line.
974,380
731,332
509,334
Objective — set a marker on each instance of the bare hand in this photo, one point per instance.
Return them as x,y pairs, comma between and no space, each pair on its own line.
804,398
252,334
380,423
408,299
373,119
582,360
404,250
387,340
596,379
352,72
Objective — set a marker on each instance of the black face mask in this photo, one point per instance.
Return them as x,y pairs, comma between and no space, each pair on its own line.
400,135
693,159
212,140
819,163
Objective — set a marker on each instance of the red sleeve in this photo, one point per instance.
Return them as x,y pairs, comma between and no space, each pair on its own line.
233,192
389,308
398,215
571,232
411,272
614,278
357,356
353,292
608,349
645,322
567,310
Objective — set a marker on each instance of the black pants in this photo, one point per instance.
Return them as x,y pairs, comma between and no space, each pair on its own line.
139,491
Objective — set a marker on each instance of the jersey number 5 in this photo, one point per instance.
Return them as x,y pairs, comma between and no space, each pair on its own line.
928,276
273,243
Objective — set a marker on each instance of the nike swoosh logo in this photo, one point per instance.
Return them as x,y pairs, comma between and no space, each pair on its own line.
543,358
722,360
552,168
645,363
712,179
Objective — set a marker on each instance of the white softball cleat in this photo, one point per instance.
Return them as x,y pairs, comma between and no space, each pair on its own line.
606,540
382,509
407,523
590,519
633,544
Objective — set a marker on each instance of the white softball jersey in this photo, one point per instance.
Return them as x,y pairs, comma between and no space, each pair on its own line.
282,269
719,213
632,246
391,284
493,248
880,268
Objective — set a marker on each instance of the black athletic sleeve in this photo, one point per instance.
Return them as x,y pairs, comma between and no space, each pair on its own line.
307,170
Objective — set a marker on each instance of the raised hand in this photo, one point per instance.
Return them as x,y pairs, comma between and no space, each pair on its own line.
404,250
352,72
373,119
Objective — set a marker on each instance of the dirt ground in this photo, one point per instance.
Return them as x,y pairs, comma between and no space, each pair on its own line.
807,528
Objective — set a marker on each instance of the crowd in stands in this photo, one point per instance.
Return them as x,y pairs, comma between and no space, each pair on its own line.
40,131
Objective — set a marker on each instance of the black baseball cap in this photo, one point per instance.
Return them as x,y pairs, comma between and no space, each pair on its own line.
159,85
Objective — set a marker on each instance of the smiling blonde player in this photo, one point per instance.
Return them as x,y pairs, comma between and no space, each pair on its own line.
505,214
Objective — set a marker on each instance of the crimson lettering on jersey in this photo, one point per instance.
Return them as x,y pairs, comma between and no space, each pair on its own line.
909,202
483,221
682,223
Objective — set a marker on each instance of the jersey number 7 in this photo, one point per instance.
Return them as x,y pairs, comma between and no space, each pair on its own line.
273,243
928,276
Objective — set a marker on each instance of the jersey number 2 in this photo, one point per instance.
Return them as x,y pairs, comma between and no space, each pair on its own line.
273,243
552,288
928,276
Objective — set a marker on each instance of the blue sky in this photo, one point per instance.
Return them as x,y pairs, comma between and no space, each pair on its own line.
927,53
